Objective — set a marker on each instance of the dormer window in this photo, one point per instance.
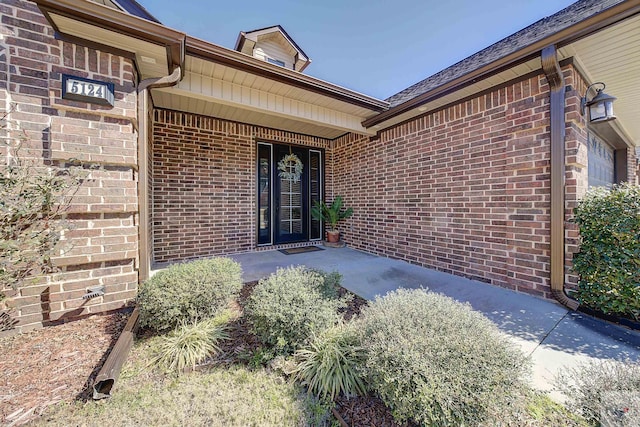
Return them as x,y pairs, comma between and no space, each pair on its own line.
273,45
275,61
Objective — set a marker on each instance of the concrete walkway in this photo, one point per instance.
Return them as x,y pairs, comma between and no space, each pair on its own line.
552,335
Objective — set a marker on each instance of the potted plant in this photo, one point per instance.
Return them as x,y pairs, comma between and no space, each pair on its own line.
331,214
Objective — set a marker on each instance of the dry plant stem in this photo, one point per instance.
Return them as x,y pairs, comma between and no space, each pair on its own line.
341,420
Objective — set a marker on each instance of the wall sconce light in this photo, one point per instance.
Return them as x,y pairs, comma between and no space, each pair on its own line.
600,106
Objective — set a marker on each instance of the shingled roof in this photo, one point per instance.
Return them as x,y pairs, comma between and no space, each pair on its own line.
545,27
130,6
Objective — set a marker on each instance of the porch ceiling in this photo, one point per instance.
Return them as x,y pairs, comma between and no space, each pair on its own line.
215,89
612,56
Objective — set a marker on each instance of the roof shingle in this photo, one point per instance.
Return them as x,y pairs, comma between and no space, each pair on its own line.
545,27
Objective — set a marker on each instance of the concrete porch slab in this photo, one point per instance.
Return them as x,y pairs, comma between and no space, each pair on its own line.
554,337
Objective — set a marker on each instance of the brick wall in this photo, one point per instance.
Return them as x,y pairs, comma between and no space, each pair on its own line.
103,240
466,189
463,190
204,173
577,165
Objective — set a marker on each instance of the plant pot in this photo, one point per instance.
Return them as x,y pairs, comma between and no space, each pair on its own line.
333,236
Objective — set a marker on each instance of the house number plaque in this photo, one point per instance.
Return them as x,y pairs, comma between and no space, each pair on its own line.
86,90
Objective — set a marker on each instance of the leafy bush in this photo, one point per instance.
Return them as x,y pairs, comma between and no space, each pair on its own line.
188,292
329,364
609,259
331,214
191,343
288,306
35,197
532,408
331,283
604,392
435,361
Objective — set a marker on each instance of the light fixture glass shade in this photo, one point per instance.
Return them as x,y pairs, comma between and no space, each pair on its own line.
601,107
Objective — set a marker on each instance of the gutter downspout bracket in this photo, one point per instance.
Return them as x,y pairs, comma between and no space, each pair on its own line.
553,72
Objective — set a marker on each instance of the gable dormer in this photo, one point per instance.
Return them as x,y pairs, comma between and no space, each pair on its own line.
273,45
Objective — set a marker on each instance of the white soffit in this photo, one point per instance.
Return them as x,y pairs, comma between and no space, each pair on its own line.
218,90
198,70
612,56
151,58
189,104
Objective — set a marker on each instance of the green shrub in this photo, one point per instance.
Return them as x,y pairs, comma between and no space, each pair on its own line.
604,392
329,364
188,292
532,408
435,361
288,306
331,283
609,259
190,344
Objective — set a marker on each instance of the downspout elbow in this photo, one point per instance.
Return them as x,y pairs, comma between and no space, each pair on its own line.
561,296
158,82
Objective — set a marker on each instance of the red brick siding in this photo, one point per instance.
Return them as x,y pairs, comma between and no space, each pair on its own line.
204,172
577,169
103,216
464,190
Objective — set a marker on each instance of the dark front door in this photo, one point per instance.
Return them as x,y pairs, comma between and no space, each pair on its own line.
291,198
283,201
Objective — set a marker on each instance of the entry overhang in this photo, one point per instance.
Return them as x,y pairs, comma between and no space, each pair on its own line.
612,56
213,89
266,95
157,50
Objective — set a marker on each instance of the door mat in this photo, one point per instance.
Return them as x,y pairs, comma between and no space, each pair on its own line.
293,251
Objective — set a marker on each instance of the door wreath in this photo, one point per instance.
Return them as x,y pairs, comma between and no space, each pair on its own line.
290,167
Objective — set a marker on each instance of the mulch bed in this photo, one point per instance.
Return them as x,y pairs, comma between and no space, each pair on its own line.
366,411
53,364
59,363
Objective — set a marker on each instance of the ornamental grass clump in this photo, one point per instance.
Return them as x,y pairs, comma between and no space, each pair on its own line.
330,364
191,343
286,308
605,392
188,293
435,361
608,262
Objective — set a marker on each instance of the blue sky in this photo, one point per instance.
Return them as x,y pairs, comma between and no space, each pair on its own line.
371,46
